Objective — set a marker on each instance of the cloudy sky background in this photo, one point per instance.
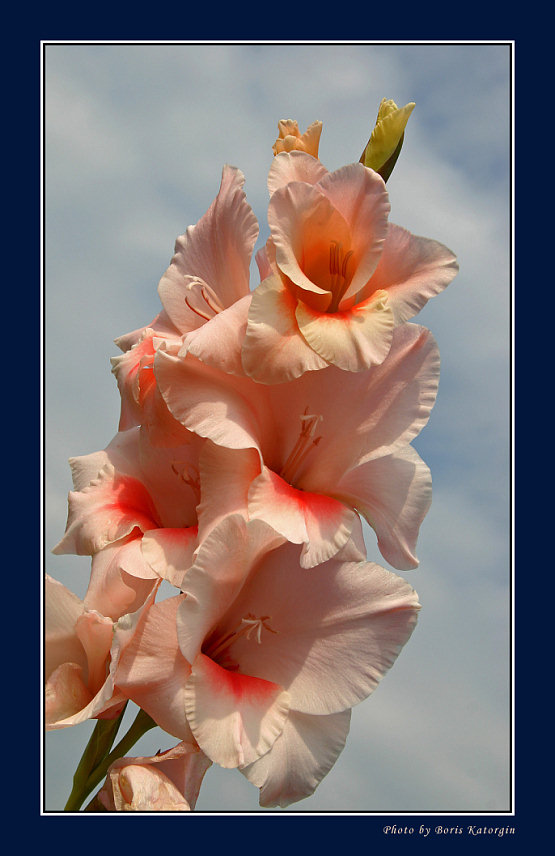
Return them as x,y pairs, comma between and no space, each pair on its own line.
135,140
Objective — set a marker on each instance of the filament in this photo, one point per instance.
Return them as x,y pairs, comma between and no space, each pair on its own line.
206,303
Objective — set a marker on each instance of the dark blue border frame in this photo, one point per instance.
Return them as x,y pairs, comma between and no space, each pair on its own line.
286,833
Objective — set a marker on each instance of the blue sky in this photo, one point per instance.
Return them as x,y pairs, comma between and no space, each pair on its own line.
135,140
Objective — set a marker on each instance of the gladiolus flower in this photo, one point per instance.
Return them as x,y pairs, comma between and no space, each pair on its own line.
134,511
208,273
210,267
82,650
304,455
239,652
341,278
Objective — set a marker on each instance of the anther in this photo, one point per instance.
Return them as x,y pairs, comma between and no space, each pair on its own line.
248,626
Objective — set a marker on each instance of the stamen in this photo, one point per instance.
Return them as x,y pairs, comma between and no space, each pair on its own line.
257,624
197,311
345,262
188,474
248,626
305,442
338,268
200,291
211,298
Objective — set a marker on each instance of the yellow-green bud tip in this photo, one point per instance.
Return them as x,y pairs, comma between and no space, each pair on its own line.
387,137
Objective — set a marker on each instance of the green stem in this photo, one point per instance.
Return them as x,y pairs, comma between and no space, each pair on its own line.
142,723
99,744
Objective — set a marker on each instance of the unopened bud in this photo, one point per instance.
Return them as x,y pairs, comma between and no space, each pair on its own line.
290,138
384,146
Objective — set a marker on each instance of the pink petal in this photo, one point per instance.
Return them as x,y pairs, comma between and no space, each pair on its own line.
135,377
108,509
158,425
169,552
355,548
218,342
279,504
225,477
185,765
65,694
274,351
235,718
211,403
120,580
319,522
127,369
303,222
62,609
85,468
412,270
328,524
336,629
302,755
95,632
223,563
353,340
152,671
360,196
394,494
385,407
217,250
171,476
362,414
294,166
171,781
140,787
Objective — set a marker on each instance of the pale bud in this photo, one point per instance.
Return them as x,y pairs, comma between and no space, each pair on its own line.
290,138
384,146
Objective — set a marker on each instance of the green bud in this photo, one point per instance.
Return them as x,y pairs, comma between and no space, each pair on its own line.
384,146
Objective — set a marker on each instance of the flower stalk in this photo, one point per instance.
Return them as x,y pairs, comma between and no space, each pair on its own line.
97,757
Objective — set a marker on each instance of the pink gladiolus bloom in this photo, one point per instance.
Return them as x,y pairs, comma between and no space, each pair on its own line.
82,649
134,511
259,678
169,781
210,268
342,277
209,272
304,455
